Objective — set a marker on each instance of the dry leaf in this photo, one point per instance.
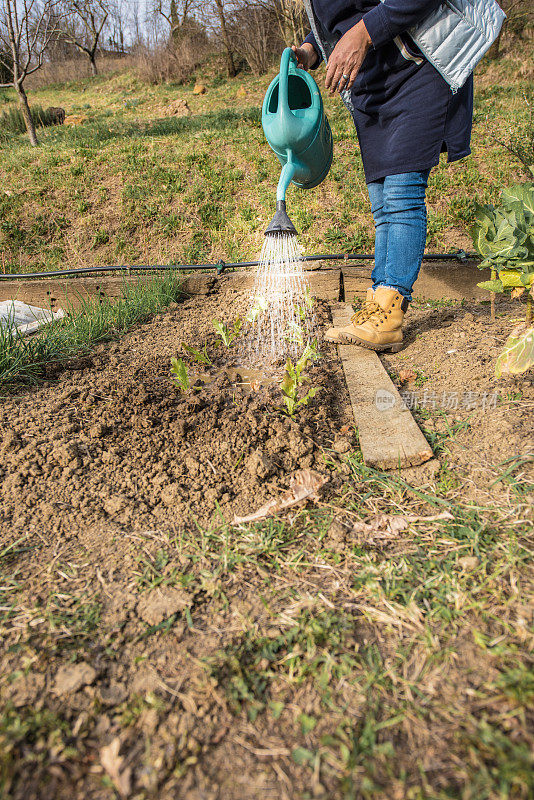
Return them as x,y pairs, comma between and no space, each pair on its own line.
112,763
303,485
517,292
407,375
384,527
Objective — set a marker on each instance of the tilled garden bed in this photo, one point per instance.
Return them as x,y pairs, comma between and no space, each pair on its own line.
150,648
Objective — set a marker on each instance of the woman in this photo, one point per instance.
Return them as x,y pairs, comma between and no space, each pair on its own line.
407,107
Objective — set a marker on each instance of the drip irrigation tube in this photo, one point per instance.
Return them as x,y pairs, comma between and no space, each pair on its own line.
221,266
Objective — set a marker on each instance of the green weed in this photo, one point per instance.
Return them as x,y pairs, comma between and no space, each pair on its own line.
26,360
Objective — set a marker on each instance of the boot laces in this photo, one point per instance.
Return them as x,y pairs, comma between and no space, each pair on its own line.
369,310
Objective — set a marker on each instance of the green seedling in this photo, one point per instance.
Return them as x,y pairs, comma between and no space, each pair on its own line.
294,378
304,309
179,374
200,356
295,333
260,305
227,334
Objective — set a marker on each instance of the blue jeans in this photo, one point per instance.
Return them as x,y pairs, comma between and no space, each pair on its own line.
399,212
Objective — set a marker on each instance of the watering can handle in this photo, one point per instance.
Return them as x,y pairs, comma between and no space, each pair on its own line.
286,62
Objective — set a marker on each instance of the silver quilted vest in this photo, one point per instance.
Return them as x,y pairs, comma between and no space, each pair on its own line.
453,37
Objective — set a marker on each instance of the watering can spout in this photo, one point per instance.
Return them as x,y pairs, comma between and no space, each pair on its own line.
286,176
280,223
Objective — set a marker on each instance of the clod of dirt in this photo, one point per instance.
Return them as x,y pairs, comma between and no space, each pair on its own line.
98,430
336,535
114,505
26,689
342,445
67,455
468,563
113,694
72,677
159,604
11,441
170,494
258,466
145,680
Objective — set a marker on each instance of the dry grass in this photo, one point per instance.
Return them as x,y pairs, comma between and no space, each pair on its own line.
136,183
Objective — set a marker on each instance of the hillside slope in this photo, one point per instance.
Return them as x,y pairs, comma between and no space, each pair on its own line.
135,182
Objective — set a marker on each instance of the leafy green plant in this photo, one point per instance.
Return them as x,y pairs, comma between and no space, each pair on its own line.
504,237
179,374
200,356
295,333
294,378
226,333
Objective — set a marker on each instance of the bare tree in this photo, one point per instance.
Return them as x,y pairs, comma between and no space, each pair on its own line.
255,34
181,17
26,29
216,14
519,18
91,16
220,5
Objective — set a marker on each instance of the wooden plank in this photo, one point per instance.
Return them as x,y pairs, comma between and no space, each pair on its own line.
324,283
389,436
53,292
437,280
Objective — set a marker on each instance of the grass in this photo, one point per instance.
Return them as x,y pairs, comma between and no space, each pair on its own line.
135,184
27,359
409,627
393,668
399,669
12,121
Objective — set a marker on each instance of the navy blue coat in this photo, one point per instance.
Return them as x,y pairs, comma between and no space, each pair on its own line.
404,111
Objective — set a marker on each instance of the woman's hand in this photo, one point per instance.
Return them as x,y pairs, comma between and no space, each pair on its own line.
347,58
306,55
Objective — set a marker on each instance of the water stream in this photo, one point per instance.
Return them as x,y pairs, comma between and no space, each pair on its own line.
281,316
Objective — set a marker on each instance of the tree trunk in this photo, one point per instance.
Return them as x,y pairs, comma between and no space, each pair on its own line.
495,50
92,59
26,113
232,72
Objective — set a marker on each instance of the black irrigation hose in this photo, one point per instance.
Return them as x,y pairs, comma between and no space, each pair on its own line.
222,266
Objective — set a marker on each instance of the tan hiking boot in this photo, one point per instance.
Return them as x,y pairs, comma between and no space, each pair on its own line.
377,325
369,305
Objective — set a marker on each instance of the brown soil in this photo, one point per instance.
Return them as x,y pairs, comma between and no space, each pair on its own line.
115,498
447,370
111,442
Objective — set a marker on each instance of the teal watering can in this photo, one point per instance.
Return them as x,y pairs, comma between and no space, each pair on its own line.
297,129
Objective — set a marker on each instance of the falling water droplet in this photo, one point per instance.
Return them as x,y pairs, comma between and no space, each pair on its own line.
282,316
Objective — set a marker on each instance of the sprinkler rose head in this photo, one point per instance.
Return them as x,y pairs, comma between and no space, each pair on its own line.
281,223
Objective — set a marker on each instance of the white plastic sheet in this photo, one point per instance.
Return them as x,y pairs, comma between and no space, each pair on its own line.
14,314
